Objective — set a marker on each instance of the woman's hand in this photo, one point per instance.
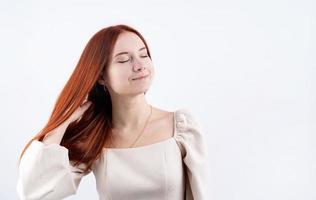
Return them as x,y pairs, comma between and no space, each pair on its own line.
77,114
56,135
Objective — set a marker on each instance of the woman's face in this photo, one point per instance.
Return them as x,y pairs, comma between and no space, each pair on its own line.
129,61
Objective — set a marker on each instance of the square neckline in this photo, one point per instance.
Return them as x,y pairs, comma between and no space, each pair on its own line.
152,144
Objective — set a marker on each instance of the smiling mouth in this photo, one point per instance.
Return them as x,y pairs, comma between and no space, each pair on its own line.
142,77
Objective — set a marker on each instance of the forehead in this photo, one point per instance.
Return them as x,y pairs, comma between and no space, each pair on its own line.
127,41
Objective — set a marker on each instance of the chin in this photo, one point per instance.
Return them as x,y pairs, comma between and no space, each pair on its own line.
141,91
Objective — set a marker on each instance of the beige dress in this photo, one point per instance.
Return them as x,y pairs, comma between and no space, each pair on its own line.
172,169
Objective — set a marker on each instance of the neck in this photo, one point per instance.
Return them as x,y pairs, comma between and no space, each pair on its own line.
129,113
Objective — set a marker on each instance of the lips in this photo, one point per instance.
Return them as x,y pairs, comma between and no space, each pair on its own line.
140,77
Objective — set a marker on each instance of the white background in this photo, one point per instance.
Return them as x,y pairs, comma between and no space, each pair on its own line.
246,69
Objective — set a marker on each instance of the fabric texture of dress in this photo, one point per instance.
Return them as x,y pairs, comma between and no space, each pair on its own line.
172,169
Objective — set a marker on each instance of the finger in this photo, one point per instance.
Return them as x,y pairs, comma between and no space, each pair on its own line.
82,109
85,106
86,98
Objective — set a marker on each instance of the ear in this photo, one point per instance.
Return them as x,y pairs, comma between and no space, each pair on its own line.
101,80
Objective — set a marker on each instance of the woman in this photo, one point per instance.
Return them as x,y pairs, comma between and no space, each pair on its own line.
102,122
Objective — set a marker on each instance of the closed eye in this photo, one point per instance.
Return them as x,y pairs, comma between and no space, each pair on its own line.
124,61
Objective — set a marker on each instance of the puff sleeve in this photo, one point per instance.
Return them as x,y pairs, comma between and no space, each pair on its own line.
192,144
45,173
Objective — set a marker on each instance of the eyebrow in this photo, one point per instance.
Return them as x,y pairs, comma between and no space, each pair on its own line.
125,52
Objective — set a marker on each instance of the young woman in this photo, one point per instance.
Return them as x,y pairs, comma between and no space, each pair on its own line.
103,123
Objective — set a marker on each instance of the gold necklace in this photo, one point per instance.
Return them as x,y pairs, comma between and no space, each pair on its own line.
143,128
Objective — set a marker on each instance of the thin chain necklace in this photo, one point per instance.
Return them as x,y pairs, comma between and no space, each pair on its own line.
151,109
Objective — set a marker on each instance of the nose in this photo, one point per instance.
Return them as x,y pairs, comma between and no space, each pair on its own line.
137,65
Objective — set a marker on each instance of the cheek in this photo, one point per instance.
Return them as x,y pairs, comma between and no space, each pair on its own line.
151,68
118,75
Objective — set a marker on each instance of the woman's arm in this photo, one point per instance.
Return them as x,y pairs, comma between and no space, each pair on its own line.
45,171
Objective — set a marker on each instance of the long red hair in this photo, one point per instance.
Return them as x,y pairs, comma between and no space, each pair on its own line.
86,138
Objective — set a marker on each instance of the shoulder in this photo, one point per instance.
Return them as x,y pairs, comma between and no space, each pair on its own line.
185,118
188,130
162,117
182,117
188,135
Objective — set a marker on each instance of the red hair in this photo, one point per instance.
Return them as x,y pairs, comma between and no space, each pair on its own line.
86,138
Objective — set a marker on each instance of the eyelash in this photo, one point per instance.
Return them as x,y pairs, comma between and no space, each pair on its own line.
129,59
